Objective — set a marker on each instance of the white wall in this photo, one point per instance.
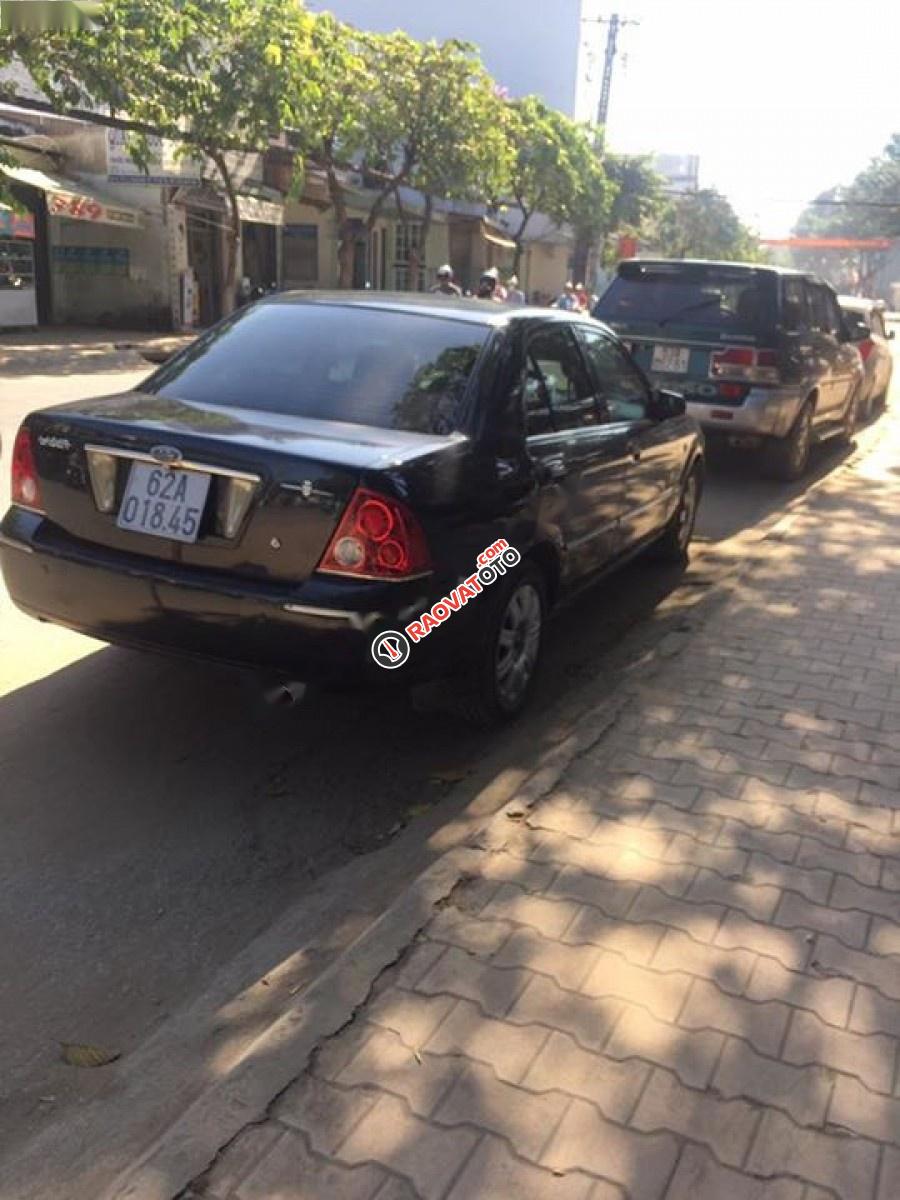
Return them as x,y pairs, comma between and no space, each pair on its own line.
527,45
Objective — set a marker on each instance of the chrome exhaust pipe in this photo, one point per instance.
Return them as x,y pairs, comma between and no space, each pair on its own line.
285,695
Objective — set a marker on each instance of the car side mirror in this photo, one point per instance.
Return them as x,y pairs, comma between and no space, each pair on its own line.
856,331
891,334
665,405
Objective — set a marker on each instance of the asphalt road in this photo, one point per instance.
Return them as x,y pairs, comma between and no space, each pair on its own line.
157,816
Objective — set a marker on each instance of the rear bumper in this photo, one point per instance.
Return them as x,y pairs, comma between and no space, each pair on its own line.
766,412
320,631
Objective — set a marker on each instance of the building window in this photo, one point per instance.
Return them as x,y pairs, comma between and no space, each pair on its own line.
300,254
407,239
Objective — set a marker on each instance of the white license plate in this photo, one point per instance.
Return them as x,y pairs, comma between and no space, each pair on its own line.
673,359
163,503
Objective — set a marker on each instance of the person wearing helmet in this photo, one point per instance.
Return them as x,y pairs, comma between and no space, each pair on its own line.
514,294
445,285
489,286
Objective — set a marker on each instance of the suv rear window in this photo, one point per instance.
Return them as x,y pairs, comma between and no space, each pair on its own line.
392,370
717,300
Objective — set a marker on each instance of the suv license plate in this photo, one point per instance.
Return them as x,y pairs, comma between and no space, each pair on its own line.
163,503
673,359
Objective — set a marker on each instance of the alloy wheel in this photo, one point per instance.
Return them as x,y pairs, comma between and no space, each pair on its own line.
687,511
801,442
518,644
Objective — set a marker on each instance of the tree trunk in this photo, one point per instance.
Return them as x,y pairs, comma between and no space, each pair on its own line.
233,236
417,259
580,260
518,238
344,229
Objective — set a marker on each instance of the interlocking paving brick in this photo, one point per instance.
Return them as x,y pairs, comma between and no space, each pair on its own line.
641,1163
611,1084
845,1164
885,938
855,1107
797,912
429,1155
239,1159
459,974
635,942
730,969
861,866
788,947
696,823
588,1021
524,1118
781,846
761,1023
828,998
755,899
803,1092
889,1183
874,1013
417,963
685,849
290,1172
830,956
871,1058
850,894
493,1172
393,1188
509,1049
549,917
813,884
878,820
612,896
726,1126
325,1113
568,965
531,876
387,1063
699,920
690,1054
413,1017
700,1177
662,994
478,935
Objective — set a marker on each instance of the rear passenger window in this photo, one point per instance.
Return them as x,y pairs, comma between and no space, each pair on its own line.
623,392
558,392
821,317
795,307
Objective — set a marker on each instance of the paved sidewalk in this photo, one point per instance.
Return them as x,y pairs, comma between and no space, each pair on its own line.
679,974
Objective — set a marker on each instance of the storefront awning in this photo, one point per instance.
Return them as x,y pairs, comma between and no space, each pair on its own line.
73,200
250,208
497,239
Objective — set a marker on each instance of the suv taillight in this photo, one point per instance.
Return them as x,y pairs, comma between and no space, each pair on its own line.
745,363
376,538
26,487
865,348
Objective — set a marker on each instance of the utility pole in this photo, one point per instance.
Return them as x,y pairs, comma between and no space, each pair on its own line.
615,23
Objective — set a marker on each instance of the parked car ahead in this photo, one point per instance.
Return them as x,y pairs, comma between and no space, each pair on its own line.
865,321
319,469
761,354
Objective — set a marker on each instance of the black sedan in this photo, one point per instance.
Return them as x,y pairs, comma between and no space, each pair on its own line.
354,488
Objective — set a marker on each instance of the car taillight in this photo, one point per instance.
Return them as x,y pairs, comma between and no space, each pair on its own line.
745,363
26,487
865,348
376,538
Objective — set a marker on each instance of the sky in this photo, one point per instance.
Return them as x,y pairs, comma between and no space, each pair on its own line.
780,100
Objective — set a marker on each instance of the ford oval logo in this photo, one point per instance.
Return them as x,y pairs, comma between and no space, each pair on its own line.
168,455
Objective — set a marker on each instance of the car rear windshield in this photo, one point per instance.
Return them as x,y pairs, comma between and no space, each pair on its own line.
392,370
720,301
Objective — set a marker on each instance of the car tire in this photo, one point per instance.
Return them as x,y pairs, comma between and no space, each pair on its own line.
675,543
502,677
850,419
788,458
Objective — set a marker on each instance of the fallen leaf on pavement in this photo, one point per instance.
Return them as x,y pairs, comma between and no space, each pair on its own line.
81,1055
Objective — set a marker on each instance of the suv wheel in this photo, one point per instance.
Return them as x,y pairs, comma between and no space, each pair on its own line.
504,672
848,425
674,545
788,458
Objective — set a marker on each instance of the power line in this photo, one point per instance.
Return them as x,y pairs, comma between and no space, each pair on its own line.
615,23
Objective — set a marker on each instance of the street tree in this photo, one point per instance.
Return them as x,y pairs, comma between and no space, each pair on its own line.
218,77
549,171
703,224
434,124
